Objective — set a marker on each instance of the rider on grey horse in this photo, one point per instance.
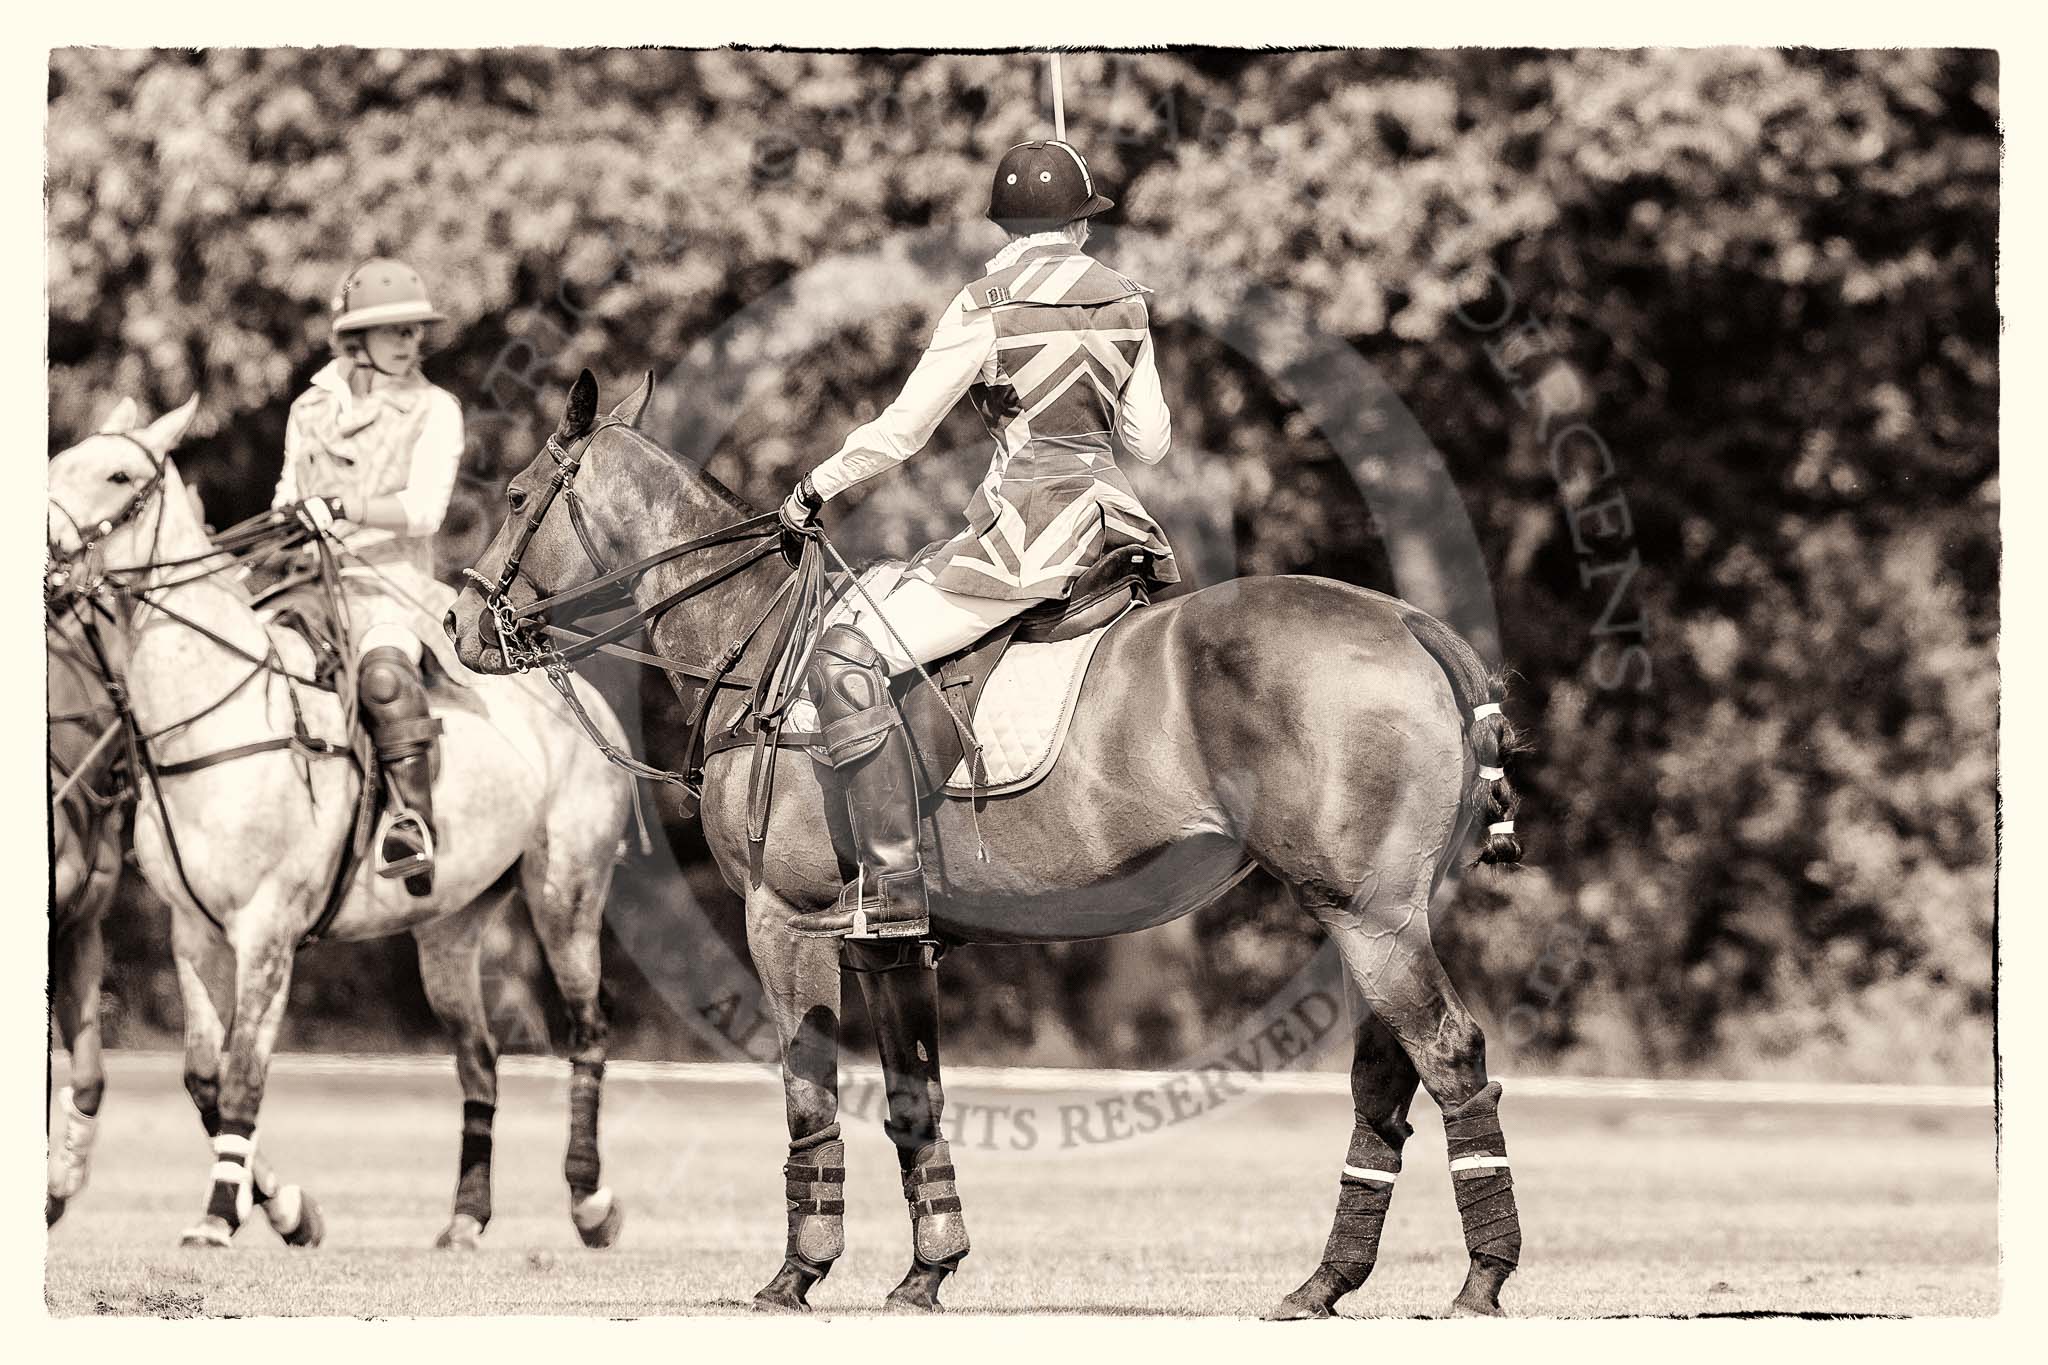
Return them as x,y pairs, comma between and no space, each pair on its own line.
1055,351
371,454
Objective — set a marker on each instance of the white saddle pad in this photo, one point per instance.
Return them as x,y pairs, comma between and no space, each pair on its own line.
1024,714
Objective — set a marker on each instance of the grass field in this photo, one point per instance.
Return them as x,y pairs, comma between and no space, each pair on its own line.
1629,1207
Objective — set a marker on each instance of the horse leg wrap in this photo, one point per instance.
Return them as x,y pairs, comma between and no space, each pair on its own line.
1480,1178
938,1233
580,1168
71,1157
233,1148
473,1183
815,1191
1364,1192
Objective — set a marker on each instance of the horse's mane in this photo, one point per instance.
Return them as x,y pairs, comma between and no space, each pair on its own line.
699,477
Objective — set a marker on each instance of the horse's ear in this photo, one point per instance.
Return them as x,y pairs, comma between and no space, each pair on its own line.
166,431
581,409
122,418
636,402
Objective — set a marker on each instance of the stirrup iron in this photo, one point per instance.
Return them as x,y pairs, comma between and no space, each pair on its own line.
414,864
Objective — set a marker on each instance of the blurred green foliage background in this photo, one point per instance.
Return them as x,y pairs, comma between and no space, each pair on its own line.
1754,644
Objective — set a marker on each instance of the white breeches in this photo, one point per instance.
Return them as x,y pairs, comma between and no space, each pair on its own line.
379,618
922,622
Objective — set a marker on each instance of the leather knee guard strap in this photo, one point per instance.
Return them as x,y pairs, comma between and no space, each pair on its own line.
938,1232
815,1192
1480,1178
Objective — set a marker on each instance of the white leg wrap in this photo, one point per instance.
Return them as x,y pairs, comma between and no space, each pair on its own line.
71,1157
236,1173
285,1208
593,1210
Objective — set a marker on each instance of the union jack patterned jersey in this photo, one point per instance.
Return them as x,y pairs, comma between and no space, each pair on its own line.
1055,352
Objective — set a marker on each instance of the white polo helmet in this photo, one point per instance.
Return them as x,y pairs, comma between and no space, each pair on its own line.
379,293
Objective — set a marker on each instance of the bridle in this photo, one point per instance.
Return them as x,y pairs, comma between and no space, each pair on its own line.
521,630
538,635
57,578
519,654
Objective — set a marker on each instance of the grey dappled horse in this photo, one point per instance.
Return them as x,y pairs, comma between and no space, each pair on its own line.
242,837
1316,730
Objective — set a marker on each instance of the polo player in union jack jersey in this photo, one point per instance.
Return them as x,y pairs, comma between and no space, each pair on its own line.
1055,350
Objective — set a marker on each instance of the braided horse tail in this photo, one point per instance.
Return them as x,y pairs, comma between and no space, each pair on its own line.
1493,738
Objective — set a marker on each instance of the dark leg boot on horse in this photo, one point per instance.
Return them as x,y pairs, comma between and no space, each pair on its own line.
871,765
1485,1190
815,1192
1364,1192
395,704
938,1233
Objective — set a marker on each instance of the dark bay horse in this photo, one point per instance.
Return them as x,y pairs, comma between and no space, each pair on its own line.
1321,732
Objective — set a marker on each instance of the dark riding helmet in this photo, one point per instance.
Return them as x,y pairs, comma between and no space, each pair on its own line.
1040,186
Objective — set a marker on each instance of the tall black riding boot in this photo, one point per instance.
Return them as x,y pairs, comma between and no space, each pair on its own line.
395,704
870,757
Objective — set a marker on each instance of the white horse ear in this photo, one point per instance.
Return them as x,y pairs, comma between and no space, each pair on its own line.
122,418
635,405
166,431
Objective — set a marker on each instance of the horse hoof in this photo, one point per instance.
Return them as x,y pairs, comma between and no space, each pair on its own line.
461,1234
1461,1309
919,1291
1296,1309
312,1228
53,1209
788,1291
598,1219
210,1232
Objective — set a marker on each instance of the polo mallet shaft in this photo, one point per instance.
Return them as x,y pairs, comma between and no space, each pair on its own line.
1059,103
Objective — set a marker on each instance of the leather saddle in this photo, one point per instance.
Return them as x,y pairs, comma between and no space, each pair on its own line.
1117,583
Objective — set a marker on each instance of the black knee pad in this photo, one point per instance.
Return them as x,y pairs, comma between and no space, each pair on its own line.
386,675
849,679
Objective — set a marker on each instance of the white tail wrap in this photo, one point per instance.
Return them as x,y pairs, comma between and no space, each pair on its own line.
1367,1173
1491,708
1474,1163
1492,774
1501,827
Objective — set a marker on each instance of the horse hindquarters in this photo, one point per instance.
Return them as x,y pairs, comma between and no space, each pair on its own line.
1363,844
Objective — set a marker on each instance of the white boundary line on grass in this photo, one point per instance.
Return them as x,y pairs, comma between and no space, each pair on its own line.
1058,1080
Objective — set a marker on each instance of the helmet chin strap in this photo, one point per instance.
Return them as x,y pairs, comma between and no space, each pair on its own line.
359,354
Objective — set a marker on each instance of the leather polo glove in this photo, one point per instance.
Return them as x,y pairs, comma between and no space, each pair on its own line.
799,517
318,515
